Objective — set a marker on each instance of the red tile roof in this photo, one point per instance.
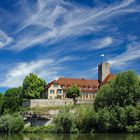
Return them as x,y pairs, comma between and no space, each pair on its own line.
108,78
79,82
85,85
49,84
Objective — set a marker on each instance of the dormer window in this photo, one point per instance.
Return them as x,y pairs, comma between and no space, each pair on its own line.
55,85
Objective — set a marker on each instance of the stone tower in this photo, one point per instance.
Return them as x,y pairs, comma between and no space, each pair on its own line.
103,71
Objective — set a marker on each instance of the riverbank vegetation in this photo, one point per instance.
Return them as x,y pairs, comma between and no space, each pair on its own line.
11,100
11,124
116,109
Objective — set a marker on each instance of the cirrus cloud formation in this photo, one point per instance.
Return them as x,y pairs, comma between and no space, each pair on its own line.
54,38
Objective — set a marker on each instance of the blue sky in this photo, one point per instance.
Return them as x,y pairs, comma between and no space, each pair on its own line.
65,38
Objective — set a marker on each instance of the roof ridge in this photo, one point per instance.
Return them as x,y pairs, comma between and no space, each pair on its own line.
76,78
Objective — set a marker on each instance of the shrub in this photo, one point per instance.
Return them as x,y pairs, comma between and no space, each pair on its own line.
85,118
65,122
39,129
11,124
101,120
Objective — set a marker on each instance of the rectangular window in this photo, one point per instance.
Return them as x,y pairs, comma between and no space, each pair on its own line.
59,91
51,91
55,85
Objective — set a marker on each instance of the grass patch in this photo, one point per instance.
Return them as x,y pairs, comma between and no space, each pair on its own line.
41,129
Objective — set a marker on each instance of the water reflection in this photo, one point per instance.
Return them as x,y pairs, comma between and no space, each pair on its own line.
70,137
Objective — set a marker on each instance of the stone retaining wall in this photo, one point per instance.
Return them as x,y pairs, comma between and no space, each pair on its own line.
46,102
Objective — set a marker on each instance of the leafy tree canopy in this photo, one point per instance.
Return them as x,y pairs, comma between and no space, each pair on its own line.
1,96
13,91
32,86
11,100
122,91
73,91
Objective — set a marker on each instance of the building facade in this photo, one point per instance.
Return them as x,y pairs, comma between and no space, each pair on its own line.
57,89
88,88
52,91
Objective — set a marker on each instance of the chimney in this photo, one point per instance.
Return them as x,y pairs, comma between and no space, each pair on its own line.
103,71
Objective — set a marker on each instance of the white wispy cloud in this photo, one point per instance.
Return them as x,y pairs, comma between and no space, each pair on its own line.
4,39
54,21
126,58
47,69
132,53
17,73
102,42
94,44
49,22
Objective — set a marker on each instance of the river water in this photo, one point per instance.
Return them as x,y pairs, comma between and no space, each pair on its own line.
98,136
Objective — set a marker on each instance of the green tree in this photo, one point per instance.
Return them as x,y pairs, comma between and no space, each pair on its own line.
73,92
1,103
11,101
122,91
32,86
